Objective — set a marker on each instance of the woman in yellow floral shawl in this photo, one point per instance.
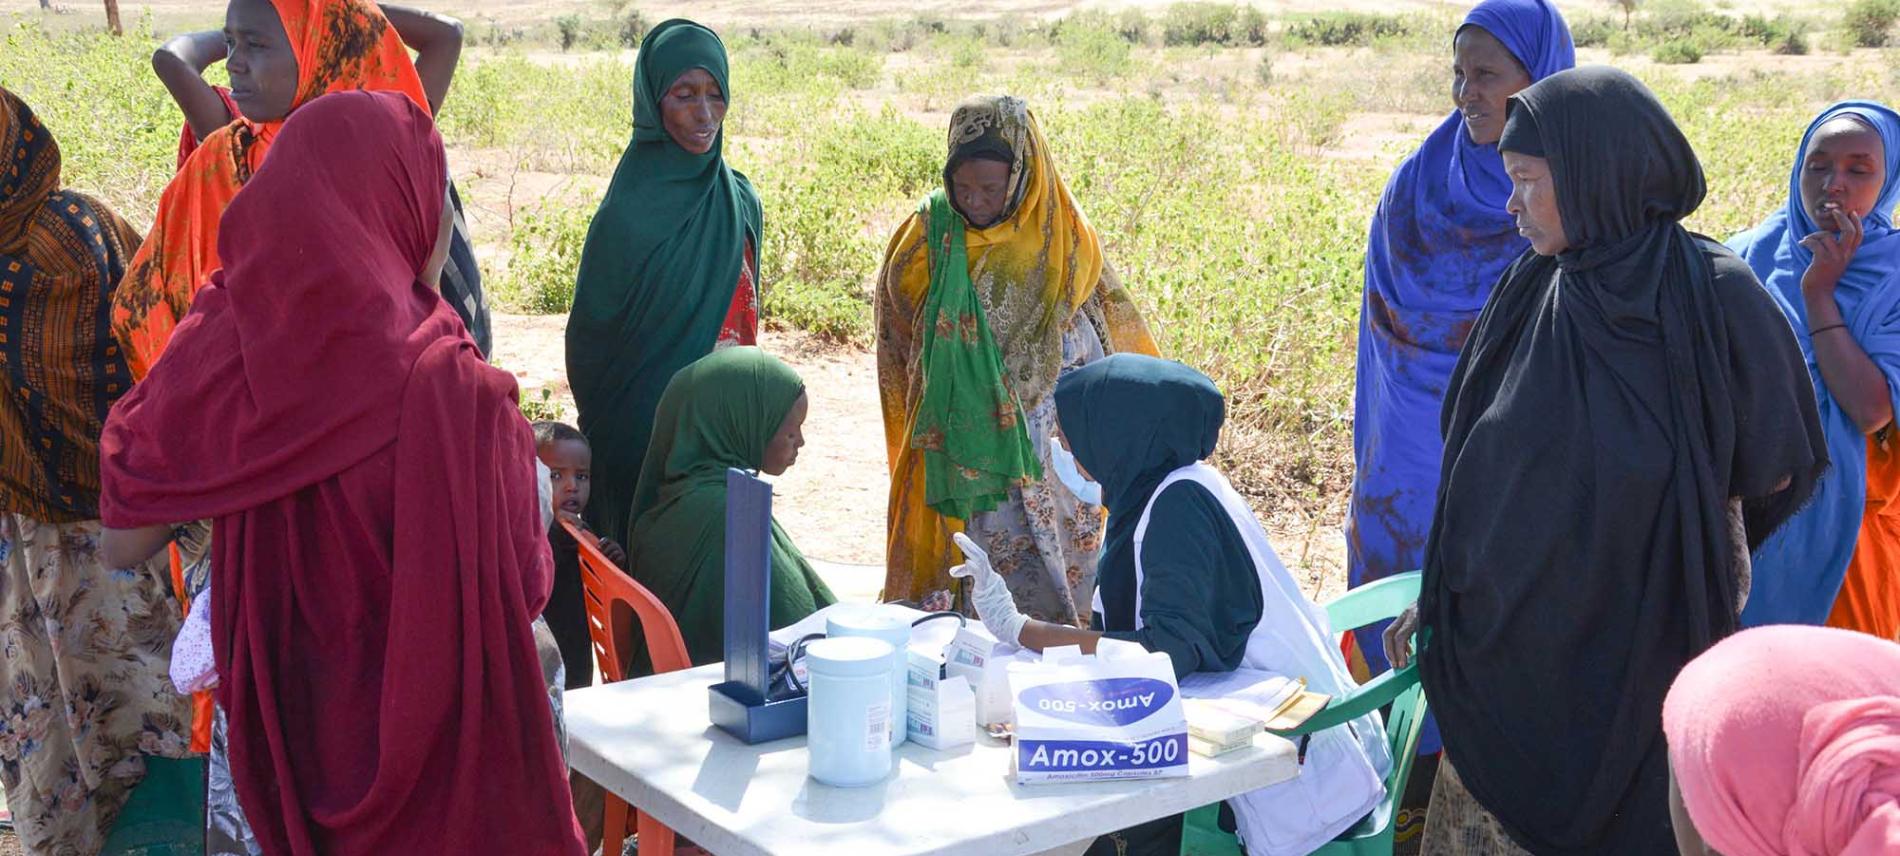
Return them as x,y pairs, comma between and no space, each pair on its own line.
967,356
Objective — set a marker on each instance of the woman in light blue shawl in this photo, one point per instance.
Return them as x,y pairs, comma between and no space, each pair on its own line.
1439,241
1831,258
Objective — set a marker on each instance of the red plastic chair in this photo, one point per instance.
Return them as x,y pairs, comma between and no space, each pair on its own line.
612,598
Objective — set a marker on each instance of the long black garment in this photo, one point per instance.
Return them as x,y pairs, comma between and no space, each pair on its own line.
566,612
1608,404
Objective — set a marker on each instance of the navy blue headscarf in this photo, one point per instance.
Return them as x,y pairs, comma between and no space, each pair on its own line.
1439,241
1131,420
1798,571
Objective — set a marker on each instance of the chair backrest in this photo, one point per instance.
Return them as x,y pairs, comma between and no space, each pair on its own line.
605,586
1405,718
1404,724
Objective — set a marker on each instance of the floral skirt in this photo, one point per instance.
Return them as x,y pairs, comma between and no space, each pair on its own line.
85,658
1044,541
1457,825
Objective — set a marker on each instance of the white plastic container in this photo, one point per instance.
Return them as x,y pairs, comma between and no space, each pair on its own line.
877,621
942,713
848,723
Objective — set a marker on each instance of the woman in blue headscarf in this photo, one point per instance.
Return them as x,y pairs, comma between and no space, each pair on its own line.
1439,241
1831,259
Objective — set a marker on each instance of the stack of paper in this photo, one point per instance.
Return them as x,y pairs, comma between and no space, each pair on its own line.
1215,730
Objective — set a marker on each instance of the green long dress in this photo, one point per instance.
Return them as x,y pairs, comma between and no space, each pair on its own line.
658,272
718,413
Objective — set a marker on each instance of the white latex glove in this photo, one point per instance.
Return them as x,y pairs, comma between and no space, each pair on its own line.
990,594
1398,637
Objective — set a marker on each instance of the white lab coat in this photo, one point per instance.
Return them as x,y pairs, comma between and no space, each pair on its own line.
1343,777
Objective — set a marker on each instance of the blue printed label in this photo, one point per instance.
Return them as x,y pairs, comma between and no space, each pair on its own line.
1112,702
1073,756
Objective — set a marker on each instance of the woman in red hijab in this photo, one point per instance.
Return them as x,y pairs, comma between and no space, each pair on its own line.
379,549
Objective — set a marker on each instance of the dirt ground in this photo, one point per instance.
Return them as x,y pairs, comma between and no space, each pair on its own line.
833,502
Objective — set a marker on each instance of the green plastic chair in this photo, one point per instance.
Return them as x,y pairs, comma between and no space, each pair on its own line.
1372,836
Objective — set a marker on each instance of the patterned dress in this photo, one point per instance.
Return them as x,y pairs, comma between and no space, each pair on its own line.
84,649
1045,541
84,657
1052,303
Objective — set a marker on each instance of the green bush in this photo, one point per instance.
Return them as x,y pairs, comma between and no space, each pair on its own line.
1344,29
545,256
570,27
1008,31
1094,52
1593,31
1133,26
541,407
1869,23
1196,24
1782,34
1682,18
633,28
822,247
116,127
1683,51
964,52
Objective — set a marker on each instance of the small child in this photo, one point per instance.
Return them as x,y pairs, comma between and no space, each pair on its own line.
569,461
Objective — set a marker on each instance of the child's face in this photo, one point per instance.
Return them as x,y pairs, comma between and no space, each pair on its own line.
570,464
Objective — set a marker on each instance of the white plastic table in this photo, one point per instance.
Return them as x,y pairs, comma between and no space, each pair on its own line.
649,741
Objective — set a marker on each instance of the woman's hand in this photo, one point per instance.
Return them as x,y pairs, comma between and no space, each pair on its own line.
1398,637
994,604
1852,378
1833,250
437,40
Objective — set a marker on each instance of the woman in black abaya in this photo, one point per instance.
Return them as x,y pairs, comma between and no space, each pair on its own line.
1630,415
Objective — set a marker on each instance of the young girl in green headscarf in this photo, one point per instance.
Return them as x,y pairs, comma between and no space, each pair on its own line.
739,408
670,269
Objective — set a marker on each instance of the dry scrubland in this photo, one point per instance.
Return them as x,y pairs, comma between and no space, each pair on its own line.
1230,156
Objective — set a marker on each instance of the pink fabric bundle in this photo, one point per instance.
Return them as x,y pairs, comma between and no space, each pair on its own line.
1785,741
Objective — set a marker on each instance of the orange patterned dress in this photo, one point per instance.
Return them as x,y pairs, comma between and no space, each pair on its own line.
1870,594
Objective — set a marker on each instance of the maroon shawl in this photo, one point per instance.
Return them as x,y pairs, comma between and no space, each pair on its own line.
378,549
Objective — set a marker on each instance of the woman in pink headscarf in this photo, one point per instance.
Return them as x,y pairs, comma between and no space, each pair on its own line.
1785,741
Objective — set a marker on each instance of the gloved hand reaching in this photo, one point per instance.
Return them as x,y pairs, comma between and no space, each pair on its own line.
994,604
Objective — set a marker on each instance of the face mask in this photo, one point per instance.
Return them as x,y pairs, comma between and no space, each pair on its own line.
1071,476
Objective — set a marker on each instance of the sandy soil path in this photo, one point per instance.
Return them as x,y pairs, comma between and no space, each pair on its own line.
832,502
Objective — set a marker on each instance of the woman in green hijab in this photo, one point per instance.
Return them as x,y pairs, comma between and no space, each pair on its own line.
670,269
739,408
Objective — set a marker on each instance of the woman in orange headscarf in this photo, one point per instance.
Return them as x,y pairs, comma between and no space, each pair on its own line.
283,54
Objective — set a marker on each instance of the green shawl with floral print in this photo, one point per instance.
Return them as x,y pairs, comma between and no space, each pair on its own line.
968,426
